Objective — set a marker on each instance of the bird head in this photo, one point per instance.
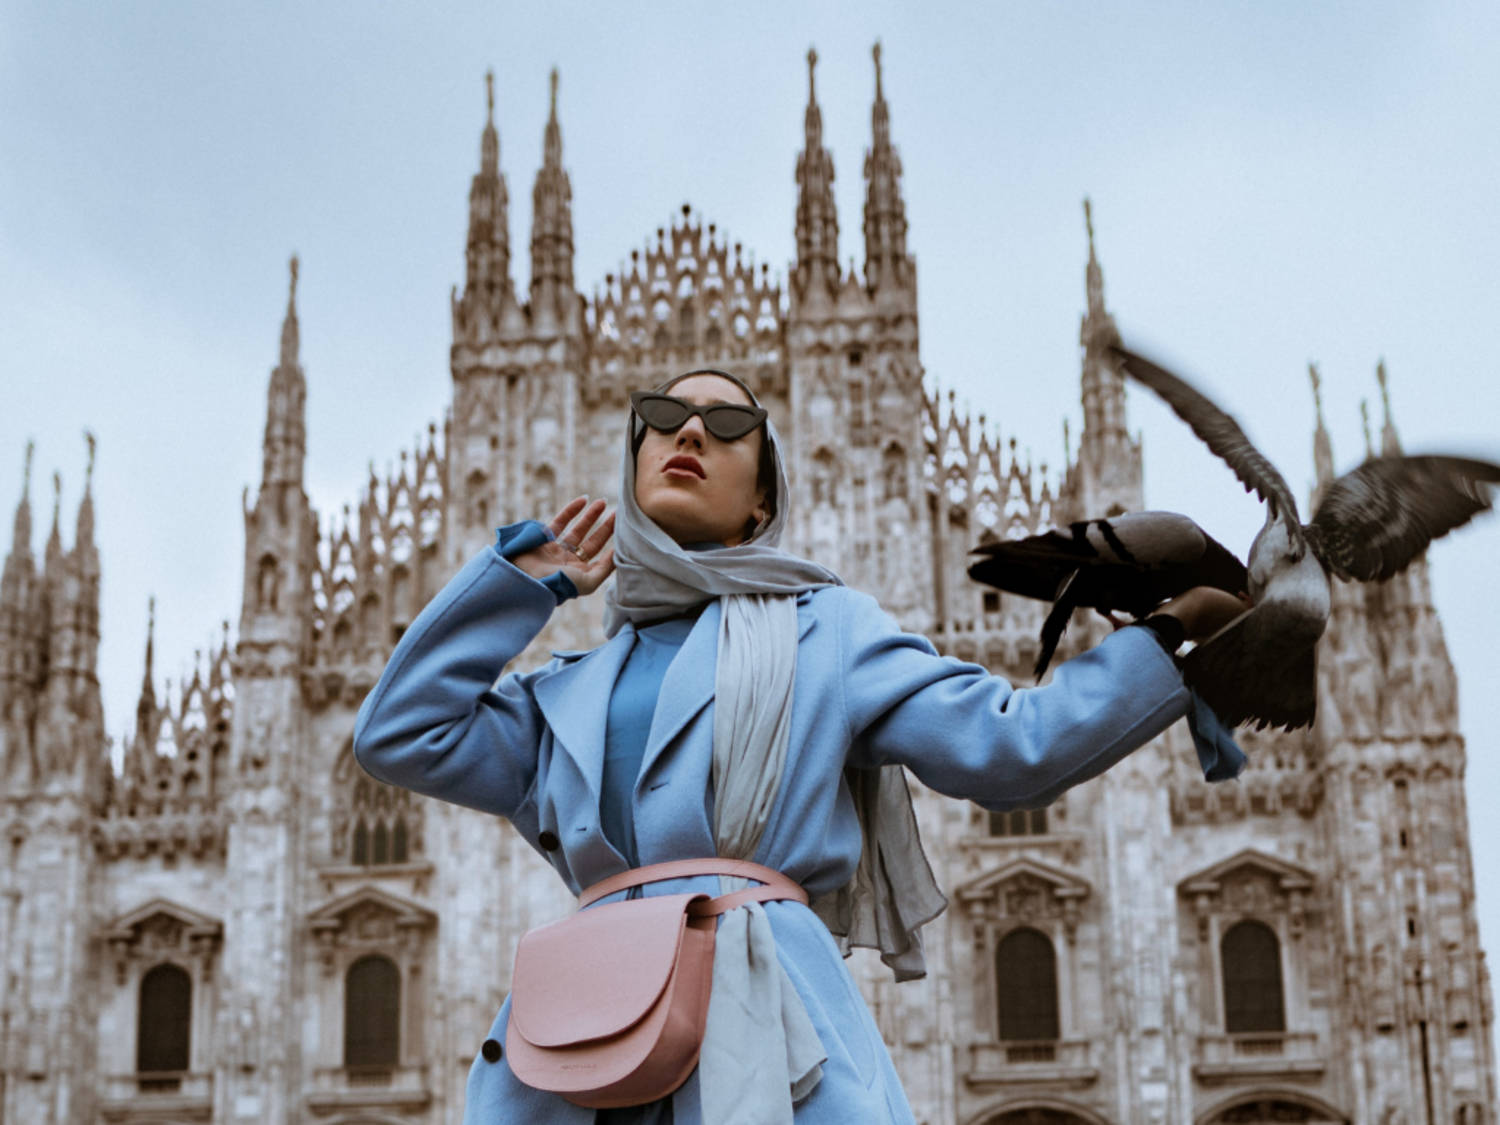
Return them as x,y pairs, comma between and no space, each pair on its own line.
1277,546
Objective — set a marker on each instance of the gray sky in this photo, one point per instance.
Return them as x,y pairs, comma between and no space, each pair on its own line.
1273,183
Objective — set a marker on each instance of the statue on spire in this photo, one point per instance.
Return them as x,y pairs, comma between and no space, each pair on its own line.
1390,443
290,338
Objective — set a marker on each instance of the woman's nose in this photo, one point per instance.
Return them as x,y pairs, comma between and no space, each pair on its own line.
692,431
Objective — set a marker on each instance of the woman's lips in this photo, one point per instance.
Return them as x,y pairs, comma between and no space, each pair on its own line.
683,467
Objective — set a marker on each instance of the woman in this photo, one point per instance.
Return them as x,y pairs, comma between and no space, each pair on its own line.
746,705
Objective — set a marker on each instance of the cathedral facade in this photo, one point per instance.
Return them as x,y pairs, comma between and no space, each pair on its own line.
239,926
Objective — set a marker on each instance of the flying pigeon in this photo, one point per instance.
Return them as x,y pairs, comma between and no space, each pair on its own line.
1129,563
1370,525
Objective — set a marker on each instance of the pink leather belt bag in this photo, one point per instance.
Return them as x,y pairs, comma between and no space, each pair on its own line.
608,1006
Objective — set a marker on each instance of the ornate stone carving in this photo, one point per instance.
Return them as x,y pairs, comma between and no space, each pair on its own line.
162,931
1024,891
1250,883
367,918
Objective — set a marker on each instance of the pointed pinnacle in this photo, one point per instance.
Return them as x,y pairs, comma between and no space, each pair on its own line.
812,62
56,498
879,94
1317,389
1385,390
150,635
1088,222
26,472
1364,417
489,95
291,298
553,109
88,479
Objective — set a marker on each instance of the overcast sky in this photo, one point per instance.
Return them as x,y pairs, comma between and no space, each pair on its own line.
1273,183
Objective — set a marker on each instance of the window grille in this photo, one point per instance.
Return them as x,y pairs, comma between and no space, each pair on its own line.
164,1020
1250,957
1026,986
372,1013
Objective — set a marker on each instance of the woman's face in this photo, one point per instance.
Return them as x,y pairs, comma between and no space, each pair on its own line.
695,487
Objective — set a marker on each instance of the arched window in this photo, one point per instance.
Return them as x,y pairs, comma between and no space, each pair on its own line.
382,844
361,854
379,829
164,1020
1251,960
372,1013
1026,984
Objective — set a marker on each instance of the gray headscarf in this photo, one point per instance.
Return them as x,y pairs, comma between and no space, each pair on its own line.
760,1051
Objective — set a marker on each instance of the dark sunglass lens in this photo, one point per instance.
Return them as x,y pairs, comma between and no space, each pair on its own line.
729,422
662,413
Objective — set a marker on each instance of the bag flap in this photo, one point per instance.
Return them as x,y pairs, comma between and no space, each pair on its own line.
597,972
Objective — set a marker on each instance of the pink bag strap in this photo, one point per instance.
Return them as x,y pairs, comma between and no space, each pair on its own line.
777,886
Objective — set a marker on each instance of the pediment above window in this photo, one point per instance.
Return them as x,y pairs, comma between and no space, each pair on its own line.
369,918
1250,883
1249,863
1025,890
162,930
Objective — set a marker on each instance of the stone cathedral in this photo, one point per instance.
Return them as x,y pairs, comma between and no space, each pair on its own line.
237,925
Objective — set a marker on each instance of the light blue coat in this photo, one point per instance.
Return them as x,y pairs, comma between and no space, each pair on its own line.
531,749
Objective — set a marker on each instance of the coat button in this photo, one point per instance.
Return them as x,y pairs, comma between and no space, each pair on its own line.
491,1050
548,840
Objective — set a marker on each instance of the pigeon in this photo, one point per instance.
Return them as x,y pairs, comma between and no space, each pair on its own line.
1371,523
1129,563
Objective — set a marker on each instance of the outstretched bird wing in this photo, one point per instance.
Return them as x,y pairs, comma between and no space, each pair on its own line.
1260,668
1374,520
1128,562
1215,428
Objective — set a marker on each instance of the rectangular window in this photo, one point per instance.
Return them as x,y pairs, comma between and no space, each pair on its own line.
1019,822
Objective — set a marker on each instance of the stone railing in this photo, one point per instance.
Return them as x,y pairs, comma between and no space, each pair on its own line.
336,1088
1059,1061
1258,1054
167,1095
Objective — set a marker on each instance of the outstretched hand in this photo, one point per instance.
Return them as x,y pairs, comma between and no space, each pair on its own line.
1204,610
578,547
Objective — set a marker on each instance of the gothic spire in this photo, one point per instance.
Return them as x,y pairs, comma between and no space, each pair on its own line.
1364,419
817,267
1103,389
1093,275
1390,443
21,530
145,708
291,342
286,437
1322,444
54,537
551,222
885,209
83,540
487,254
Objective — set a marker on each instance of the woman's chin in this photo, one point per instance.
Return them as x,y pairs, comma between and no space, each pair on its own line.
684,523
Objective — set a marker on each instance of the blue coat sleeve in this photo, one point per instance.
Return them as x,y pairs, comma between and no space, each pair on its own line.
968,733
437,722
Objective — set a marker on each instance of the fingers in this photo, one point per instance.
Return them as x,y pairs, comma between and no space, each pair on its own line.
596,539
560,521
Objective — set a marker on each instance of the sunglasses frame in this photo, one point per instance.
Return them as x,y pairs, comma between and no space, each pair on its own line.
638,399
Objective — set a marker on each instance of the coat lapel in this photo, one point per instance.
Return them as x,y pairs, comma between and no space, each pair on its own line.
575,702
688,685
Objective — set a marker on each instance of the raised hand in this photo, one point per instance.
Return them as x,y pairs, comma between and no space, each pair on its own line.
578,547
